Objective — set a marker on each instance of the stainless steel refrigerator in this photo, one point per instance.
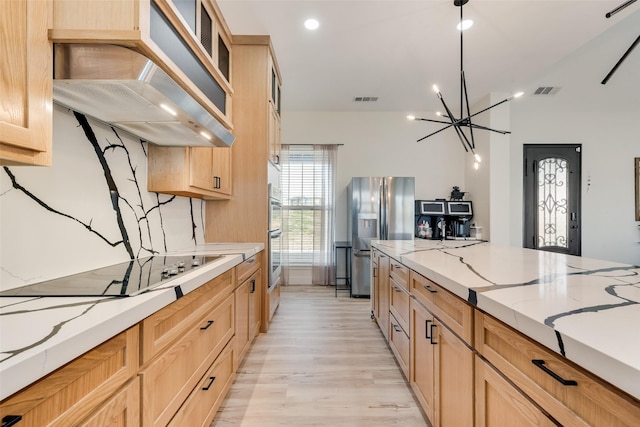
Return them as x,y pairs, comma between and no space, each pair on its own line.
379,208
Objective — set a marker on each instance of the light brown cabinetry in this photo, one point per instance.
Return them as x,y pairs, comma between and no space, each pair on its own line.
566,392
247,303
26,81
398,293
169,379
68,395
200,172
157,29
441,370
122,409
500,404
383,293
246,216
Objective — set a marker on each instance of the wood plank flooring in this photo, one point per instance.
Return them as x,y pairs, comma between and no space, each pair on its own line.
323,363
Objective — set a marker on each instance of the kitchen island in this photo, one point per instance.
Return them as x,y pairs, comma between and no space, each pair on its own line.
38,335
586,311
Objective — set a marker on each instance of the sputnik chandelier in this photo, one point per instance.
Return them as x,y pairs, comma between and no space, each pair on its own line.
458,124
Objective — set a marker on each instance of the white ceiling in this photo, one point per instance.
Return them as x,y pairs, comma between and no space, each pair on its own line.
397,49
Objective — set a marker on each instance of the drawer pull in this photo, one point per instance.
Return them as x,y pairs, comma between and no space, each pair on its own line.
430,289
9,420
397,266
397,289
253,286
375,272
209,323
433,325
211,380
396,328
540,364
426,329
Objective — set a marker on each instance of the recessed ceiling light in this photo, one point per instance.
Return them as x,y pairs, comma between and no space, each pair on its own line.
464,25
311,24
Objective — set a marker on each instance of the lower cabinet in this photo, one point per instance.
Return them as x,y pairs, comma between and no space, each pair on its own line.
122,409
70,394
441,370
499,404
203,402
170,378
399,343
383,294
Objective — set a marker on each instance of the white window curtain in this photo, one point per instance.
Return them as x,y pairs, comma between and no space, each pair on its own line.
308,209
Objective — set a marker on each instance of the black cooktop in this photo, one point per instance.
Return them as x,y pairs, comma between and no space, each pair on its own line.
118,280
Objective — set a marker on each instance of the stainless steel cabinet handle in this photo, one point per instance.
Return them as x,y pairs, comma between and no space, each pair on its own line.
433,326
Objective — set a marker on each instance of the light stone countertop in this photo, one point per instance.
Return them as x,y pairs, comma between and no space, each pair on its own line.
584,309
40,334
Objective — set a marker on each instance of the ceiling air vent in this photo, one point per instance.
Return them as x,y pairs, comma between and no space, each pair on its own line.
365,99
546,90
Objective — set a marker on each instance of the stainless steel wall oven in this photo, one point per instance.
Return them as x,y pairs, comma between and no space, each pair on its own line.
275,235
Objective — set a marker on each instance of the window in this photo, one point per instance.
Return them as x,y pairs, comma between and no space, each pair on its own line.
308,199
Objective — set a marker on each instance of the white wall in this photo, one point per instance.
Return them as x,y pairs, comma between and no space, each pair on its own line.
379,144
604,119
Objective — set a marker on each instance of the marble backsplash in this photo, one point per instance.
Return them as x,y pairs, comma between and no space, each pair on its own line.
90,209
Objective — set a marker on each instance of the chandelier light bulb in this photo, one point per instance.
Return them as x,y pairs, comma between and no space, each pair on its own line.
439,113
477,157
435,89
411,117
464,25
476,165
518,94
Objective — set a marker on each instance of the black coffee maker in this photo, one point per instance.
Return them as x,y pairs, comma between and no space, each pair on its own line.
459,214
430,218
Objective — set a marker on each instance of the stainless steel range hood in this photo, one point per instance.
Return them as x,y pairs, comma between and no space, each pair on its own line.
121,87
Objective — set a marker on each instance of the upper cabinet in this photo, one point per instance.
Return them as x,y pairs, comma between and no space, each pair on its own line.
25,82
275,83
187,39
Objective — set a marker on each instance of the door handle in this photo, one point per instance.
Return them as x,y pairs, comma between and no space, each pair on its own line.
10,420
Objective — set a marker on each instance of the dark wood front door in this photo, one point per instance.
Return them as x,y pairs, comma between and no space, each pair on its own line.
552,193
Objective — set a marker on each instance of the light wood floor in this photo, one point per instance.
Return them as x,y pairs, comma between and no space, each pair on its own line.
323,363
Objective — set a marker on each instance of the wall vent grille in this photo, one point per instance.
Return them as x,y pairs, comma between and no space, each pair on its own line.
546,90
365,99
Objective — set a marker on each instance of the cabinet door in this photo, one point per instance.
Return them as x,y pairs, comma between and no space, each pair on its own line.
221,170
375,285
454,384
26,83
255,304
274,135
121,410
384,298
241,339
201,168
499,404
423,380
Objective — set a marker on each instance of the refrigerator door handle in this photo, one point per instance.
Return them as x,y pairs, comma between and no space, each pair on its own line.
362,253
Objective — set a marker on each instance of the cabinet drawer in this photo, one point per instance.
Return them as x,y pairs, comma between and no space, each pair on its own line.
169,379
399,343
67,395
499,404
201,406
172,322
122,409
453,311
399,273
247,268
399,304
539,372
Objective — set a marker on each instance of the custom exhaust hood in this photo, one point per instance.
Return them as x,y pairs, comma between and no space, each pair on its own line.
124,88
